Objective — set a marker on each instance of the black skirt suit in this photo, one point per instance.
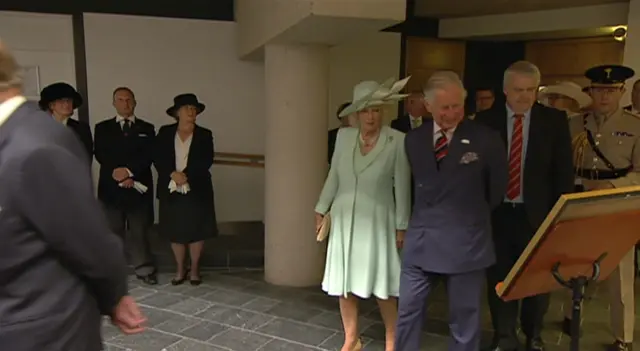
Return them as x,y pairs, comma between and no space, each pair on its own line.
190,217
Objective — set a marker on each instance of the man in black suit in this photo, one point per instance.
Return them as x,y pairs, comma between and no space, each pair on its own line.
346,121
415,113
540,169
61,268
124,149
60,100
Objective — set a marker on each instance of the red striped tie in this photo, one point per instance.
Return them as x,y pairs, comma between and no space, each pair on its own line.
441,147
515,159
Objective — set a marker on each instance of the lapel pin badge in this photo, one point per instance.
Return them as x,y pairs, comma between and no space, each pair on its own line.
465,141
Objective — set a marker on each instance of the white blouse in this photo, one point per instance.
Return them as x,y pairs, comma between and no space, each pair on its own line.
182,156
182,152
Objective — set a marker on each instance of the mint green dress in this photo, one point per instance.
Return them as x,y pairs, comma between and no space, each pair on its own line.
369,198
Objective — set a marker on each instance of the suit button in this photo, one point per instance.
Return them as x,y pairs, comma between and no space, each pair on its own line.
419,185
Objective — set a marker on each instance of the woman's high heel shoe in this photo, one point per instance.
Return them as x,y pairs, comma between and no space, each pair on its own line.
358,345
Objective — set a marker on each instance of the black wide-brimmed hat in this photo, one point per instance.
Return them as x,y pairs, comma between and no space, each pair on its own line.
57,91
185,100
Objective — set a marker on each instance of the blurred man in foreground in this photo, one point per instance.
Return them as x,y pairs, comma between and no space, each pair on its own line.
61,268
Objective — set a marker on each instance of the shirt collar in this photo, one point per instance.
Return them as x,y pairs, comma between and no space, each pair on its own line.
64,121
121,119
414,118
437,129
512,114
8,107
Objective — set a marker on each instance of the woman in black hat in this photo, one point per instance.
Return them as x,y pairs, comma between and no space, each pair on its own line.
183,157
60,100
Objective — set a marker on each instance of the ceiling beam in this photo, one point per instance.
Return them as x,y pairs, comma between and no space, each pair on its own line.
219,10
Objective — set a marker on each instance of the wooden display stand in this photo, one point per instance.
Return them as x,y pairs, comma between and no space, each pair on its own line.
583,239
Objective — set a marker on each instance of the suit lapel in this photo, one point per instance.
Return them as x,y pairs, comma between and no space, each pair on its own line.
427,141
456,148
535,137
171,142
195,138
116,129
501,125
407,123
368,159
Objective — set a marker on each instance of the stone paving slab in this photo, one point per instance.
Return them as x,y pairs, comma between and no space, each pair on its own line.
238,311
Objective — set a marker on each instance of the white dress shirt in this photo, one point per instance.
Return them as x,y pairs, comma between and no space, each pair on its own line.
120,120
141,188
437,132
415,121
64,121
182,157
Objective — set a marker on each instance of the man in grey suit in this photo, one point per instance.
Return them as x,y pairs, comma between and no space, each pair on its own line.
61,267
460,173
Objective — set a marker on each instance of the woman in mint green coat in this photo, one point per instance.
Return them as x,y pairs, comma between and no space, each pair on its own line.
368,195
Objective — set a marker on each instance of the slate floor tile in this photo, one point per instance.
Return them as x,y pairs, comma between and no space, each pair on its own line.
111,347
150,340
190,345
298,332
188,318
189,306
199,291
235,317
281,345
240,340
140,293
176,324
156,316
260,304
203,331
228,297
162,299
294,311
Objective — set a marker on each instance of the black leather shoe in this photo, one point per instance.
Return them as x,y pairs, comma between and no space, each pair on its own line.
150,279
535,344
620,346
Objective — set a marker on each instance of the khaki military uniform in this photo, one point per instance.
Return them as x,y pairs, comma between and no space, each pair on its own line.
618,139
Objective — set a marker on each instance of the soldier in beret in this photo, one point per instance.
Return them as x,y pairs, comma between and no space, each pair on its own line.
606,145
60,100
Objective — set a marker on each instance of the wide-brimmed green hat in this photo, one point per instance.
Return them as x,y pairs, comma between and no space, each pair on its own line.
370,93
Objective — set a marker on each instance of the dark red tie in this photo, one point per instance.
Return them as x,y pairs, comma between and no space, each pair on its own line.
515,159
442,147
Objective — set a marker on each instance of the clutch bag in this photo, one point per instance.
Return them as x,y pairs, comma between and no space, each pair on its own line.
325,227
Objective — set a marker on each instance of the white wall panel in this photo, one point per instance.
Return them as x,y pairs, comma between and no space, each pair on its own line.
42,40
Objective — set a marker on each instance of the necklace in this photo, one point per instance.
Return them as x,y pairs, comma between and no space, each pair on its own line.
369,141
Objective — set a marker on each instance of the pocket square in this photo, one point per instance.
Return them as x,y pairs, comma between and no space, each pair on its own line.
468,158
465,141
142,135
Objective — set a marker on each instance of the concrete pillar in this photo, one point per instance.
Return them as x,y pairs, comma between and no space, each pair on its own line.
297,84
632,47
